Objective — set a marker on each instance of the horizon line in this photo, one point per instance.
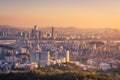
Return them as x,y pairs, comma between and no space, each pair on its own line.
89,27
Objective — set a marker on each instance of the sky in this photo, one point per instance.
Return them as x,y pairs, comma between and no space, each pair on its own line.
61,13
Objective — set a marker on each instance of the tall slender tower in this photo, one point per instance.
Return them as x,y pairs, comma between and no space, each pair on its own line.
40,35
34,33
67,56
35,27
52,33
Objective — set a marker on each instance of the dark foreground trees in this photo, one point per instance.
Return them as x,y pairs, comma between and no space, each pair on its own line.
57,72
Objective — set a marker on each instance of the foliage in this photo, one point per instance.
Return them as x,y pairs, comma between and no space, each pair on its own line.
65,71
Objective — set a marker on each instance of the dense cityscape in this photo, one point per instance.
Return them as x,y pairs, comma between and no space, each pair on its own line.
59,39
31,49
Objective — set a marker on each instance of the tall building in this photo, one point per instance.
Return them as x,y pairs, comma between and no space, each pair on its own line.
34,33
67,56
41,57
40,35
44,58
35,56
52,34
5,32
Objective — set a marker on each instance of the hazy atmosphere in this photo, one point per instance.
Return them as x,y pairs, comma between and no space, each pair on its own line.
59,39
61,13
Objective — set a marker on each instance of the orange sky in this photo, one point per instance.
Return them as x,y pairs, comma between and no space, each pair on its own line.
78,13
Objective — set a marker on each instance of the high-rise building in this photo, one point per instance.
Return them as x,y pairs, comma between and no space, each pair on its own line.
44,58
40,35
35,56
41,57
34,33
67,56
52,35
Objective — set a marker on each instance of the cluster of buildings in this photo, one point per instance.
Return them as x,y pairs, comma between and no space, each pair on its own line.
37,48
32,52
100,54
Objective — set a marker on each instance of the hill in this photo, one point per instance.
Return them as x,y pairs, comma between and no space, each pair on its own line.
65,71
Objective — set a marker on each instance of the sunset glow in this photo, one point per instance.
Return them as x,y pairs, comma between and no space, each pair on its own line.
65,13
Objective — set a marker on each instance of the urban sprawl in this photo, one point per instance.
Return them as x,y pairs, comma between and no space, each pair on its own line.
35,48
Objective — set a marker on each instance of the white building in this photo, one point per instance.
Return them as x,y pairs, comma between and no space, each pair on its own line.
67,56
104,66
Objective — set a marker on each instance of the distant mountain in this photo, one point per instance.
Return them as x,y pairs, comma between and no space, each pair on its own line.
13,27
61,29
7,26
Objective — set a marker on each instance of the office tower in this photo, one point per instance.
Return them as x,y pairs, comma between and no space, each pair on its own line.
34,33
35,27
35,56
40,35
29,36
44,58
52,33
67,56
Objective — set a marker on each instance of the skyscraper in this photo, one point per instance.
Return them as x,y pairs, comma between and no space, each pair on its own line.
52,33
67,56
34,33
40,35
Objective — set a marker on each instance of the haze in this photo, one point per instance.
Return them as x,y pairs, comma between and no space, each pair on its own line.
65,13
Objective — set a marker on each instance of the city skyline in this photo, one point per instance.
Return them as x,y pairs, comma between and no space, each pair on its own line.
65,13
